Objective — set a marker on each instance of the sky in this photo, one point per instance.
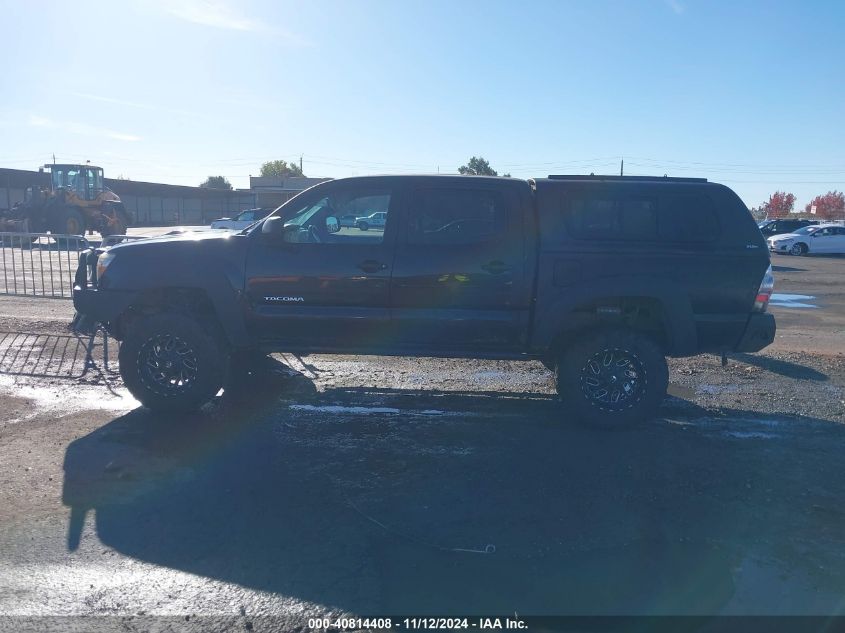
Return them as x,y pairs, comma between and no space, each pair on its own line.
746,93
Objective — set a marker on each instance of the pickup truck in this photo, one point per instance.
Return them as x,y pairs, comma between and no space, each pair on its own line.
374,220
598,277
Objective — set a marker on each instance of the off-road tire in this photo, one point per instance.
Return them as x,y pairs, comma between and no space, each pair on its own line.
153,341
586,362
68,221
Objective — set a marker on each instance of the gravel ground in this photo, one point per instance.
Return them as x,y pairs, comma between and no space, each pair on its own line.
332,484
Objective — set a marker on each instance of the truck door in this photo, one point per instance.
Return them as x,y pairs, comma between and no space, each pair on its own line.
460,277
321,284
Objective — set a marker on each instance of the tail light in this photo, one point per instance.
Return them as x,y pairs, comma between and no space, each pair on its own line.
765,291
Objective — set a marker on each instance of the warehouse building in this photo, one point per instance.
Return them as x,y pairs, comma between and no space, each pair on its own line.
157,204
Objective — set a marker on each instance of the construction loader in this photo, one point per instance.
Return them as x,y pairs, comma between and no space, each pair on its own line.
76,200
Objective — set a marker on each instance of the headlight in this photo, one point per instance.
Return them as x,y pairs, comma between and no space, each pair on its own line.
103,262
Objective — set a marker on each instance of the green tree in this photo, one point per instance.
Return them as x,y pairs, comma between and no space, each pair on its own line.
477,166
281,169
216,182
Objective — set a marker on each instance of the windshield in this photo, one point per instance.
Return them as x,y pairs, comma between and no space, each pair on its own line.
806,230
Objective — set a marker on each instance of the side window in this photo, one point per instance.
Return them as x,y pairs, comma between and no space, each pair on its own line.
456,216
365,212
607,218
639,218
689,218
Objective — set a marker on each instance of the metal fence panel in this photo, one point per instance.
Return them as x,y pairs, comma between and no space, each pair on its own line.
39,264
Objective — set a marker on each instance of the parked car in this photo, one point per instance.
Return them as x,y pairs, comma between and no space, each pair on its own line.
348,220
778,227
820,238
242,220
599,278
374,220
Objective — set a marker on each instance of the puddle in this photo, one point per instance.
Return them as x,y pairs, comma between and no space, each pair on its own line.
66,399
715,390
679,391
792,301
362,410
750,435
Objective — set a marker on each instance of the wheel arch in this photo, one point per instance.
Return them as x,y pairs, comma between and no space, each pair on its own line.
215,312
657,309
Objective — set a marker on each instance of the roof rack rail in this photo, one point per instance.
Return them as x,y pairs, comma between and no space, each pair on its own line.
623,178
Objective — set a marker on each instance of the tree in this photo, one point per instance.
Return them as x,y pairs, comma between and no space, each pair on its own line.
830,206
779,205
477,166
216,182
281,169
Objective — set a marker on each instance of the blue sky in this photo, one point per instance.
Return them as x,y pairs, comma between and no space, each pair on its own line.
746,93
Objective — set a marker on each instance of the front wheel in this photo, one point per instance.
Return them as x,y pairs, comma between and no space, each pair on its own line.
170,363
612,378
798,249
68,221
363,226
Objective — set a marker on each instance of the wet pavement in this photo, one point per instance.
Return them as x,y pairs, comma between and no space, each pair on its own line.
333,484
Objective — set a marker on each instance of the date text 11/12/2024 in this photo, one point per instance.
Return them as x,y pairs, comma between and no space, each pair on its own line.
419,623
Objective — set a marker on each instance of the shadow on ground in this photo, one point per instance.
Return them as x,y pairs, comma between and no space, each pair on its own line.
782,367
460,502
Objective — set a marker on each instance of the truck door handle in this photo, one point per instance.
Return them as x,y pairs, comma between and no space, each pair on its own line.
371,266
496,267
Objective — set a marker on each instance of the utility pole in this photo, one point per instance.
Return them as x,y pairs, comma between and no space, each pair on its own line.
622,167
300,163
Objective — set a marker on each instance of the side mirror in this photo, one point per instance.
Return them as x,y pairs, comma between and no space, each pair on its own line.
332,225
273,227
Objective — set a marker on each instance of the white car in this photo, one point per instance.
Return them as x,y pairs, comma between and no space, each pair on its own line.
375,220
240,221
819,238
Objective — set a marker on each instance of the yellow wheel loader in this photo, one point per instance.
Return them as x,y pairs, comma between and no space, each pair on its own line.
76,201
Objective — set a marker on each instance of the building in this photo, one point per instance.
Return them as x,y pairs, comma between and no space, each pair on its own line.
157,204
272,191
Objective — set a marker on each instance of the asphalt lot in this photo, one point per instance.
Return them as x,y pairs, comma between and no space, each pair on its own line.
332,484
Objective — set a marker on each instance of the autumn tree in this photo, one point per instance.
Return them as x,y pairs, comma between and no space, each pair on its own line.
477,166
779,205
216,182
830,206
281,169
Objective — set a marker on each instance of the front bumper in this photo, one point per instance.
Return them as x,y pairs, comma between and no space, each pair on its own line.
94,305
759,333
779,247
102,305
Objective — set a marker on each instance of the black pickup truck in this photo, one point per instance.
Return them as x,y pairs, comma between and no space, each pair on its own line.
600,278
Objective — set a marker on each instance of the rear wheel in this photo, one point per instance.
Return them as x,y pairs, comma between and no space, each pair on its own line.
613,378
170,363
798,249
